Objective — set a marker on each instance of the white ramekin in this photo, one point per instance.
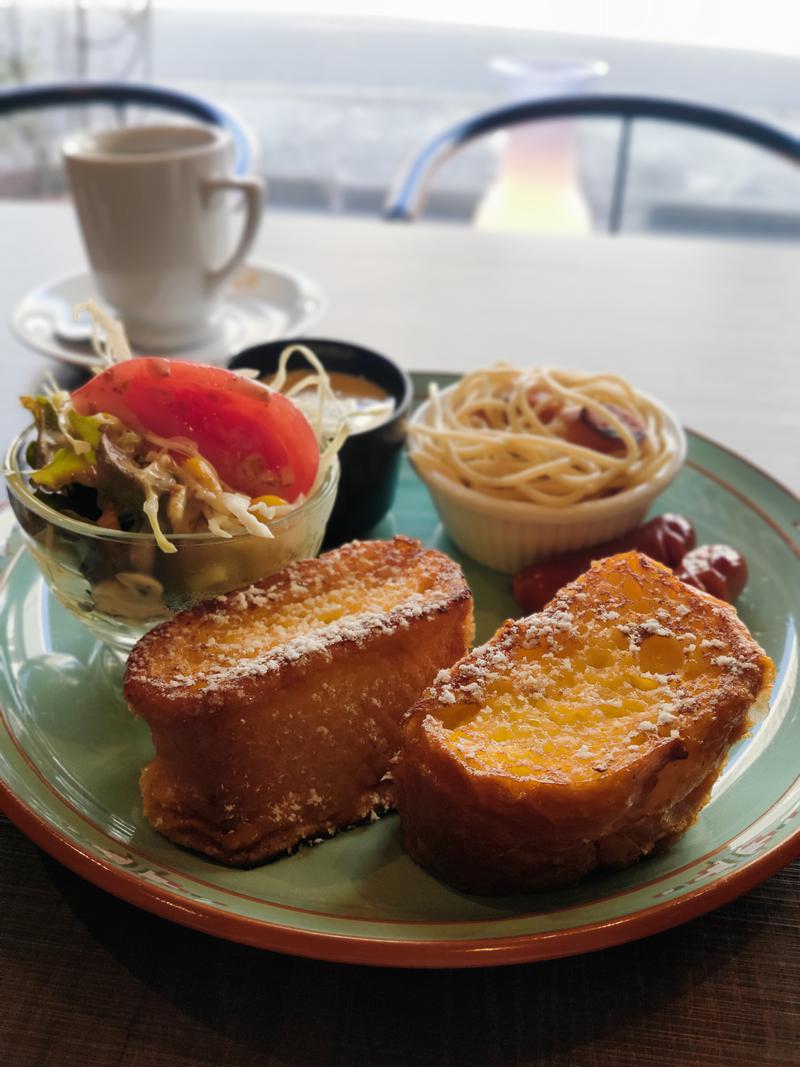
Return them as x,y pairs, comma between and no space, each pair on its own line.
507,535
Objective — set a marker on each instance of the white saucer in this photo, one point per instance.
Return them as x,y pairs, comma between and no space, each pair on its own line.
261,303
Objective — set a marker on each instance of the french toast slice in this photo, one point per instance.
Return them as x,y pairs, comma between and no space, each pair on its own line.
580,737
276,710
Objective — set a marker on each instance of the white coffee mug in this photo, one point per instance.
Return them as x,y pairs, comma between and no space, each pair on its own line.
162,222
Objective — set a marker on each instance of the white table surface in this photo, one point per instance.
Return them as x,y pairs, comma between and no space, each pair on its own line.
711,328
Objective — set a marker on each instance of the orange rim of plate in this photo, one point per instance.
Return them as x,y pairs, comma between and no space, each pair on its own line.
389,952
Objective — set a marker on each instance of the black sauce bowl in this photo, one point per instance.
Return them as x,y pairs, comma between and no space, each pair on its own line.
370,459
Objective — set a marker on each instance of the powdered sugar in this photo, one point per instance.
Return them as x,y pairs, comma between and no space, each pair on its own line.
726,661
548,626
352,596
654,627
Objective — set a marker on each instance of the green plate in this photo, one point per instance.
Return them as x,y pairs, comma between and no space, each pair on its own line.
70,755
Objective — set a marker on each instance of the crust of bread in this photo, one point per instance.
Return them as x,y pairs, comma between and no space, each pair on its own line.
561,747
276,710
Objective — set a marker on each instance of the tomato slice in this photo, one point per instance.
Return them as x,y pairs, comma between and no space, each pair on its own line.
258,441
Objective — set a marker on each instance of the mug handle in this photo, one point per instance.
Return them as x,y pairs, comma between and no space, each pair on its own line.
253,191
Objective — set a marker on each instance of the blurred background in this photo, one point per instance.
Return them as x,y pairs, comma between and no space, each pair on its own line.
340,96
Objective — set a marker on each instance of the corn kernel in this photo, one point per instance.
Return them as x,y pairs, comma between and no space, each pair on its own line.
270,500
202,472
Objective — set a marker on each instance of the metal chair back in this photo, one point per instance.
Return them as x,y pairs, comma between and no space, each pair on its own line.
407,197
120,95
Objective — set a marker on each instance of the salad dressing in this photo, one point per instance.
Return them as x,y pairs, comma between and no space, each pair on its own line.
365,404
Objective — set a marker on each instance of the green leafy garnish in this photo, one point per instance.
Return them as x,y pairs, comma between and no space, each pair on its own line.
66,466
86,427
43,412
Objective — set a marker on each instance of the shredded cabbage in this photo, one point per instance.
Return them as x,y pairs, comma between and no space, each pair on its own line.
111,346
327,397
189,496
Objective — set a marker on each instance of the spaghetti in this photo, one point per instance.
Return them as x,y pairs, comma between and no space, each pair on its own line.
510,433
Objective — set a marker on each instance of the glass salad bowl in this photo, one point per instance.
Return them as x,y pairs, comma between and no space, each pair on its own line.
120,584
